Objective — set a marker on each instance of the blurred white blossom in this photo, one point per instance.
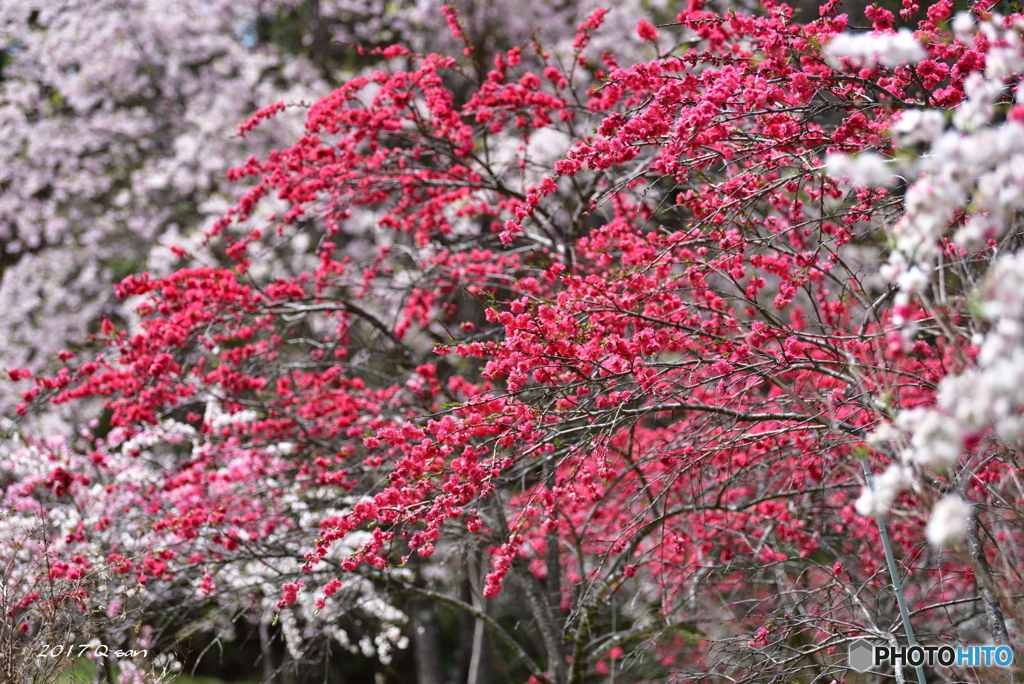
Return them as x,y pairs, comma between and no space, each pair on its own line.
876,499
918,126
864,169
887,49
948,523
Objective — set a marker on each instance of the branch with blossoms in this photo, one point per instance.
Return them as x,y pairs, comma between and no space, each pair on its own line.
970,235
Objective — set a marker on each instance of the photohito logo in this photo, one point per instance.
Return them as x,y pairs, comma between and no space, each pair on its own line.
864,655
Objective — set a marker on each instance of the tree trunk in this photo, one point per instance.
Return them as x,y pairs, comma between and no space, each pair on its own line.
427,643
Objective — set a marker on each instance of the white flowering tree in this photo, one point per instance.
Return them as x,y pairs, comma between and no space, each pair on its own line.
955,272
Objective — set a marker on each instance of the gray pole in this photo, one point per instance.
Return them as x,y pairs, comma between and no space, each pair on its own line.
894,574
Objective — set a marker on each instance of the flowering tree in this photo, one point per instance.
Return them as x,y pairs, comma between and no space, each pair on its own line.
613,340
117,118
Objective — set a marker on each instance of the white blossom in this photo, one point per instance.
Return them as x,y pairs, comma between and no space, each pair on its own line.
887,49
918,126
883,434
865,169
1002,62
913,280
948,522
875,500
936,443
978,107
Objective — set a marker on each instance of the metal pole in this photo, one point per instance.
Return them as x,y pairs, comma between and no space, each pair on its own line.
894,575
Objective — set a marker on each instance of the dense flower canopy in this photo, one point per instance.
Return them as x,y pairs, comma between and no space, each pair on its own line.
624,336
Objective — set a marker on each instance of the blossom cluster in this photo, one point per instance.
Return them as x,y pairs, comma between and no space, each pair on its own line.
964,201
